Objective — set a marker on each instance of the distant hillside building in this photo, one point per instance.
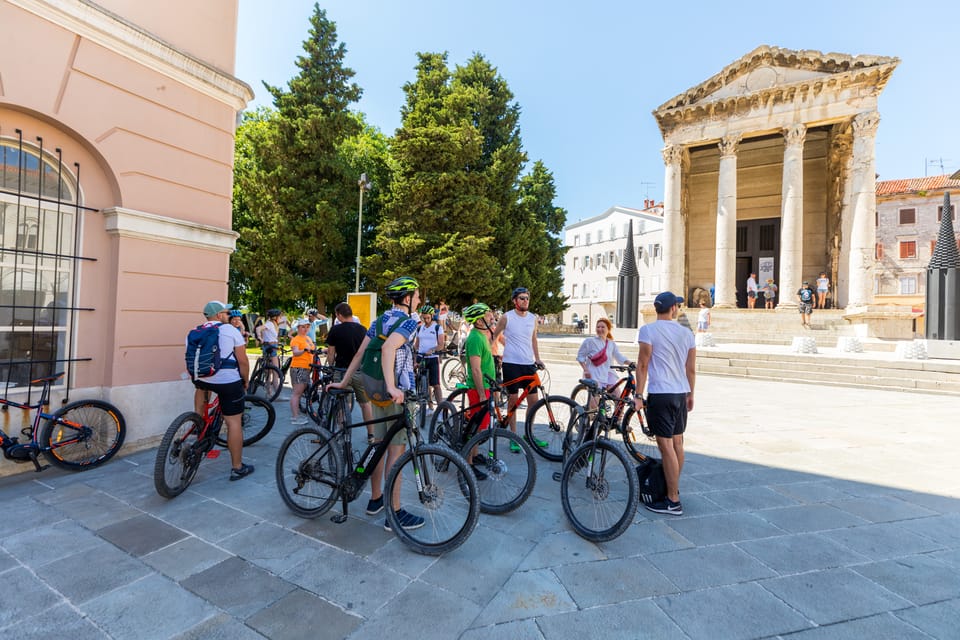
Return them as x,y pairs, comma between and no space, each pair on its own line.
908,220
593,261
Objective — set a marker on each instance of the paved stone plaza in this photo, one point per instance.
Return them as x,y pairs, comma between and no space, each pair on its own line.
809,513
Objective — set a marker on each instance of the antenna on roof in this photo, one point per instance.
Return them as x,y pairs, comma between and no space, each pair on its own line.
646,191
935,162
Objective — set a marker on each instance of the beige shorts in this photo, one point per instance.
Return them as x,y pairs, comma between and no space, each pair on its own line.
380,429
358,391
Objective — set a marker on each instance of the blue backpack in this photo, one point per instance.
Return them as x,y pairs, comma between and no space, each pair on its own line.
203,355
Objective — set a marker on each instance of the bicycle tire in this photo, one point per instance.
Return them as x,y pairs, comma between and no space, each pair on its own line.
452,373
545,380
83,434
267,383
510,475
179,455
258,419
445,425
599,491
459,398
337,416
580,395
546,426
309,471
453,491
638,440
313,398
576,431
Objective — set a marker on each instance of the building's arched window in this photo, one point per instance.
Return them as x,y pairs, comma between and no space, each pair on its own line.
38,227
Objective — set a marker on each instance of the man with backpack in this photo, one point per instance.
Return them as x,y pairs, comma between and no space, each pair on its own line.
217,361
387,370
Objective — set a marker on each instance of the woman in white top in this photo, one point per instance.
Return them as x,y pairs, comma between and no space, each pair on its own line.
596,354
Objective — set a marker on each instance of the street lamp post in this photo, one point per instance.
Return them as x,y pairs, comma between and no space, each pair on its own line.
364,184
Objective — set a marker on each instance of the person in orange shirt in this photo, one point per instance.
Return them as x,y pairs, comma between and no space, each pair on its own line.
302,347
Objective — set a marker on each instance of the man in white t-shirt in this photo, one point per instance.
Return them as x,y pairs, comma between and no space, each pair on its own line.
428,343
668,357
521,351
229,383
752,289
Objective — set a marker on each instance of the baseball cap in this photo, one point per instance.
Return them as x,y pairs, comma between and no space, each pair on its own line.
665,300
214,307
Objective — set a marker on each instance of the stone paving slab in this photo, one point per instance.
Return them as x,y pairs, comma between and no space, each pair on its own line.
789,523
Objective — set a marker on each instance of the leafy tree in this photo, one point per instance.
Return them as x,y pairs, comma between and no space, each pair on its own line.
295,204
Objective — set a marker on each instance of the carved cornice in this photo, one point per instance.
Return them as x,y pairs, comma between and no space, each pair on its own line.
866,123
672,154
729,145
129,223
795,135
113,32
866,72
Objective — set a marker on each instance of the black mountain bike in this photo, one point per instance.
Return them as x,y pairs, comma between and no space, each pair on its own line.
266,380
317,466
599,487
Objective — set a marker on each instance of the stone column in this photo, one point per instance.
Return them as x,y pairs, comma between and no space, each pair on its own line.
863,228
725,272
674,234
791,218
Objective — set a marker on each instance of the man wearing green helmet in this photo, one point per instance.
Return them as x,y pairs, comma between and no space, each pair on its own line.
479,357
397,363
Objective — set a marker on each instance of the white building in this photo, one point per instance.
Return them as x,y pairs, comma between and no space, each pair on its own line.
596,253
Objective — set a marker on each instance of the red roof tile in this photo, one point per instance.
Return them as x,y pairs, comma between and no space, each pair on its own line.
913,185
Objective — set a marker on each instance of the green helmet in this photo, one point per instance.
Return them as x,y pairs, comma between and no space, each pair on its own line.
474,312
401,286
427,309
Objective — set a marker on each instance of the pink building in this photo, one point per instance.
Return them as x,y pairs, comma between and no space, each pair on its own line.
117,123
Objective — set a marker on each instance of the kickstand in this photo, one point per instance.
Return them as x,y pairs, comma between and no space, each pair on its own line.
340,518
36,463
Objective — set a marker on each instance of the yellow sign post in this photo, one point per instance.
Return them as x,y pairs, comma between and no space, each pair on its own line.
364,305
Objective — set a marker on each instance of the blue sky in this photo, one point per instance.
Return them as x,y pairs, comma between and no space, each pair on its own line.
588,75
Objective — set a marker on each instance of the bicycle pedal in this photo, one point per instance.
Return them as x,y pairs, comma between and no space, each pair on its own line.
338,518
213,454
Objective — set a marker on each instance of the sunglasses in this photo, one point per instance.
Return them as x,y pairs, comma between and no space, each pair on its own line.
523,297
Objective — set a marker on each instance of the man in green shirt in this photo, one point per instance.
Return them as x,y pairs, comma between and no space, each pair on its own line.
479,357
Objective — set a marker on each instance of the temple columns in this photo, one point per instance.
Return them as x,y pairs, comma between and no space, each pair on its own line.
791,223
725,271
863,230
674,233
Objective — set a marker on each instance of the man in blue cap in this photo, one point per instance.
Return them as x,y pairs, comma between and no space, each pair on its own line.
668,356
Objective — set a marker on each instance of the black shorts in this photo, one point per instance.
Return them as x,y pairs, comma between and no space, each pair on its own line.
230,394
667,414
512,371
432,363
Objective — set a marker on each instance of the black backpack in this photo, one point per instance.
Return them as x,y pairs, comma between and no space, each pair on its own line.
653,484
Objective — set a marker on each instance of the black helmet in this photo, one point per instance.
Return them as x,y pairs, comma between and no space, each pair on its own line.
273,313
401,287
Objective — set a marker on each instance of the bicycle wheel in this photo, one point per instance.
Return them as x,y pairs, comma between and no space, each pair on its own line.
83,434
458,398
547,423
452,373
179,455
337,415
309,471
599,491
577,430
446,425
505,469
267,383
447,502
638,440
580,395
258,418
313,399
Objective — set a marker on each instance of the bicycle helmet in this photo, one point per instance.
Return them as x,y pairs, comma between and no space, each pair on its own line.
273,313
236,313
427,309
311,312
475,312
518,291
401,287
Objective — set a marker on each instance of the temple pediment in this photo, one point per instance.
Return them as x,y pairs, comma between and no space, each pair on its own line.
770,75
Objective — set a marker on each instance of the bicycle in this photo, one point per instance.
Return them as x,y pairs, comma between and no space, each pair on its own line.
317,399
78,436
317,466
629,423
190,438
453,370
265,379
547,420
505,481
599,488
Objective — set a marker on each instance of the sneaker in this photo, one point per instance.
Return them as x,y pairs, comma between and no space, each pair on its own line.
478,473
244,470
514,447
375,506
667,506
407,521
299,420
